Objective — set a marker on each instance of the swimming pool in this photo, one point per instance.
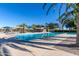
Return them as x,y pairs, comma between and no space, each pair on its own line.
33,36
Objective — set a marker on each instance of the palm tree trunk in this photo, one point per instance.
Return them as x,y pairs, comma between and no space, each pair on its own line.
77,39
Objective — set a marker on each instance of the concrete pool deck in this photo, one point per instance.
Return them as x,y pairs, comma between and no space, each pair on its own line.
46,47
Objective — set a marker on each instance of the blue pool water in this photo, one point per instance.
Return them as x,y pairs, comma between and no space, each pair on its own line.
33,36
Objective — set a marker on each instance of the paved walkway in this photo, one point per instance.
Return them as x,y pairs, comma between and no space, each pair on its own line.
36,48
54,47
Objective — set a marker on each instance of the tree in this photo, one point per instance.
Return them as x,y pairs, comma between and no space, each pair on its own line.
7,29
71,12
52,25
34,26
22,27
70,24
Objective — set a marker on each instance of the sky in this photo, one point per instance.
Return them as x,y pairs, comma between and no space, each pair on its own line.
12,14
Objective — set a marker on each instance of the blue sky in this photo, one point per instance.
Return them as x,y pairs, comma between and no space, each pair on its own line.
14,14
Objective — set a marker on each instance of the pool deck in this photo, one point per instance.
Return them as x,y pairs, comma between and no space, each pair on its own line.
9,46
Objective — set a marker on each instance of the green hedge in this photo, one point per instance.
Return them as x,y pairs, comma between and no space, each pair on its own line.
64,31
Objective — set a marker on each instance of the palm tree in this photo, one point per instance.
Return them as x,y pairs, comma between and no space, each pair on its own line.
71,12
34,26
22,27
51,26
70,24
7,29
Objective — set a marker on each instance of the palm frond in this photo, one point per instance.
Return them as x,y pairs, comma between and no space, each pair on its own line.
66,14
60,8
44,5
50,7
